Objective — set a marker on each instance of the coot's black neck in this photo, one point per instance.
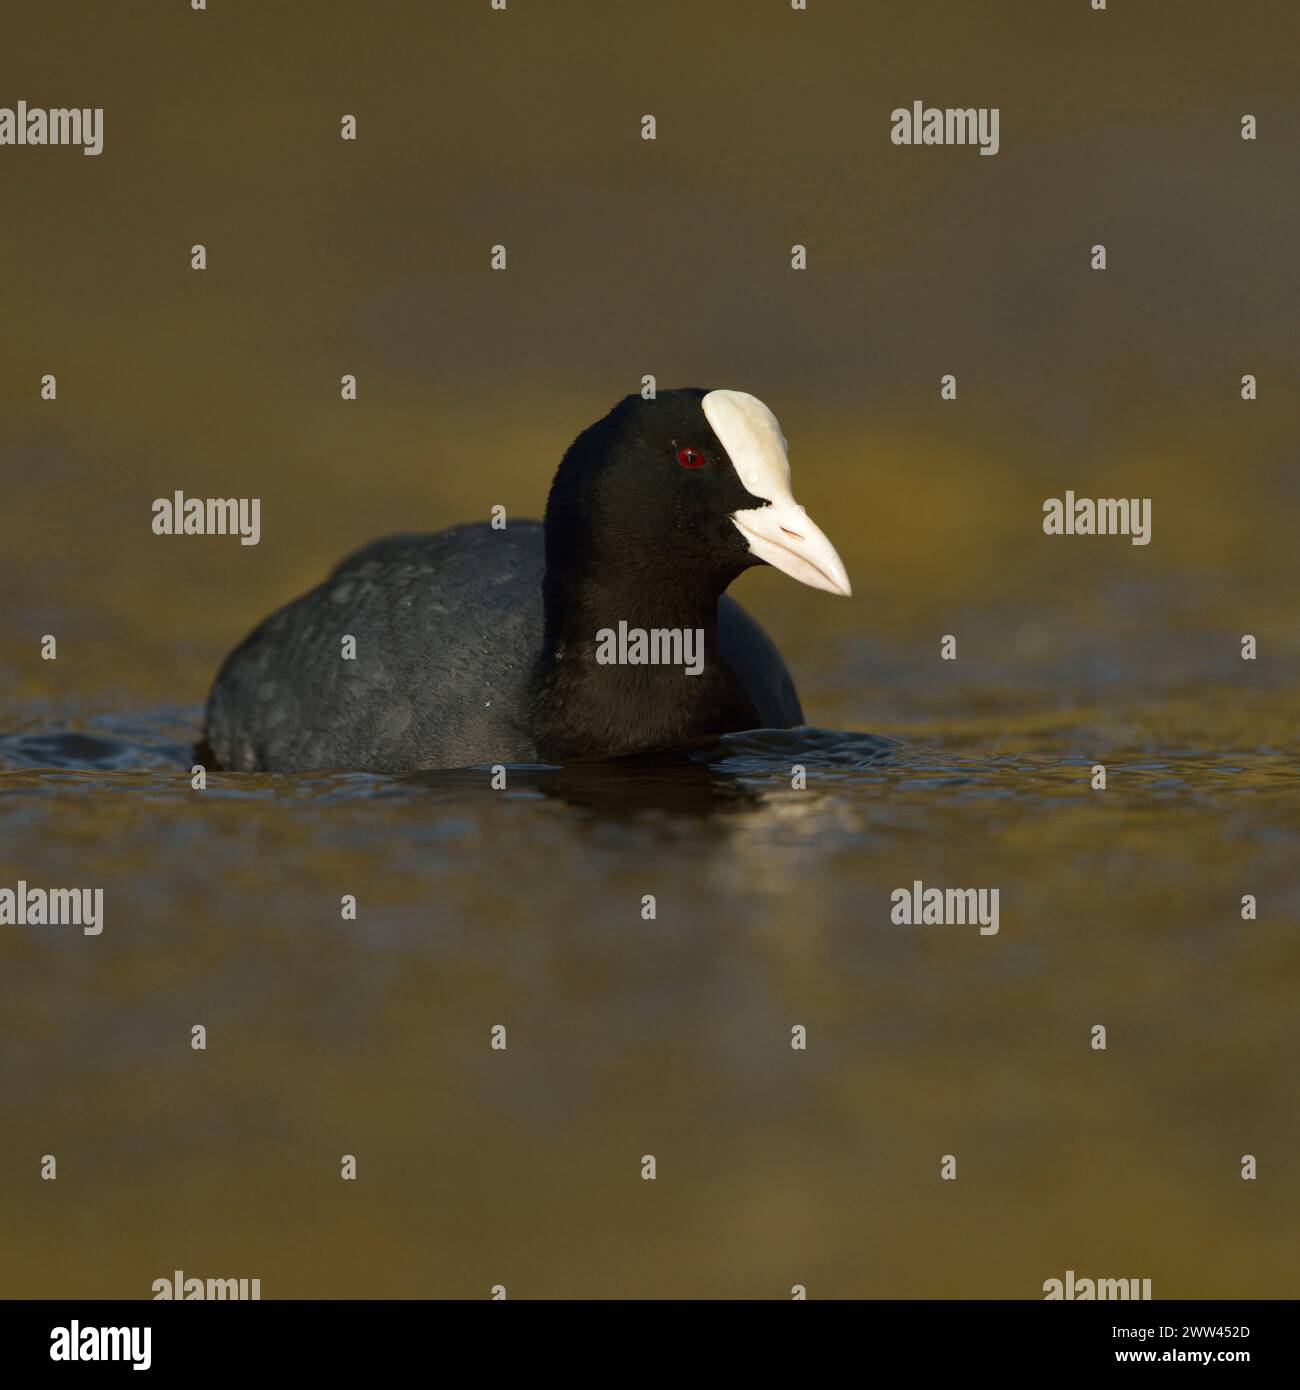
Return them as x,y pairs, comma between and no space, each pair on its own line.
622,637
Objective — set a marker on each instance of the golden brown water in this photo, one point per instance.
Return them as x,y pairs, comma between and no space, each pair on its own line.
523,907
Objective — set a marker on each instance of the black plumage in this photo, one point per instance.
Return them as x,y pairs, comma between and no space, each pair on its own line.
476,645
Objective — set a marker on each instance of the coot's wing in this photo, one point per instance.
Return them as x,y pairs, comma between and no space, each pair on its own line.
447,628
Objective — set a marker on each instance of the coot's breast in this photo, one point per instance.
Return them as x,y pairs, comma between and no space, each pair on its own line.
447,630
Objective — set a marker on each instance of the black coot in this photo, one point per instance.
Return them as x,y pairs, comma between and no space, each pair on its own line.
603,631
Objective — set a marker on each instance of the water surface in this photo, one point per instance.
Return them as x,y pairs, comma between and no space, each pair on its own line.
523,907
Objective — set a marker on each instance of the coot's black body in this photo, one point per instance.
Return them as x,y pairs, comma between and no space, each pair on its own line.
458,613
478,645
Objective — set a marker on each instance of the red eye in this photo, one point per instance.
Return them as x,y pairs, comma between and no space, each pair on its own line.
689,458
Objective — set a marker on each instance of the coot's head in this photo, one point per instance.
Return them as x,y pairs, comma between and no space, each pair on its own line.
691,487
